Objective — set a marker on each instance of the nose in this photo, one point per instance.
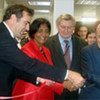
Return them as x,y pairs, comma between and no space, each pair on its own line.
27,27
66,30
43,33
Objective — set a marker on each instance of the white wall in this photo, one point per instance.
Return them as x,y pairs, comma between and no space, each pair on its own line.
3,5
60,7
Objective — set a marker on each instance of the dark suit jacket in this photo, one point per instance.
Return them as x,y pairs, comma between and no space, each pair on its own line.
57,54
91,71
15,64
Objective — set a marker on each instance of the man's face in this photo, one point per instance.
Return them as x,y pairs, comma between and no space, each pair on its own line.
66,28
22,24
98,34
91,38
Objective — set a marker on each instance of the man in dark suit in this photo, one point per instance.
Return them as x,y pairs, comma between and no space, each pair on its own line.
91,68
14,63
66,24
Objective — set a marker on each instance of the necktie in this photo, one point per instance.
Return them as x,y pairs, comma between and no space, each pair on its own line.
67,53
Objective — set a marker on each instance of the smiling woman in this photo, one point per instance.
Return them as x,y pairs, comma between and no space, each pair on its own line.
40,31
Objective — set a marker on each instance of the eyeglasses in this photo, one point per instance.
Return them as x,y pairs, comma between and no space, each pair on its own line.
66,27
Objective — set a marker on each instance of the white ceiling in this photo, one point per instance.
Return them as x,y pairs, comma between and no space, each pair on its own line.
35,7
82,7
87,2
87,8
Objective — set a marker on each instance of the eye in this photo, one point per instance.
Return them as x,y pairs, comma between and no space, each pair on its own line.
40,31
47,31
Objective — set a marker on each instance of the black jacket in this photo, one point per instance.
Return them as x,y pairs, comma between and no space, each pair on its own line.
54,45
15,64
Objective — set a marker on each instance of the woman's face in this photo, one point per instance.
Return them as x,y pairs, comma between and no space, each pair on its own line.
42,34
83,32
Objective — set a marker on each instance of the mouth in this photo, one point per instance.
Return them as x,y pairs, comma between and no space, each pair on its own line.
42,38
23,33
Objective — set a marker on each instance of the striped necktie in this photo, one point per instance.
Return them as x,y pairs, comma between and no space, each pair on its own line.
67,54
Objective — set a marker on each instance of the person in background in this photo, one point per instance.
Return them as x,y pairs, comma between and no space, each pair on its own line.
83,31
39,32
90,64
16,64
56,44
90,38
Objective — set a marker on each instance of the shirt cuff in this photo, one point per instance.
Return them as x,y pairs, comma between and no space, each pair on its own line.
66,77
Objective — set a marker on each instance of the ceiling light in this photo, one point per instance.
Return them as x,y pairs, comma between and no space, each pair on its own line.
42,11
88,19
41,3
87,2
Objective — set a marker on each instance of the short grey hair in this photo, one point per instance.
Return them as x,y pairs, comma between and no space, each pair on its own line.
66,17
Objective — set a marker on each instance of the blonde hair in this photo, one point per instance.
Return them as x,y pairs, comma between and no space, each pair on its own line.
66,17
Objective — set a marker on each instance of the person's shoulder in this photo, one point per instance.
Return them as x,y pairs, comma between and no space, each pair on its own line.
2,27
26,45
79,40
45,48
51,40
52,37
89,47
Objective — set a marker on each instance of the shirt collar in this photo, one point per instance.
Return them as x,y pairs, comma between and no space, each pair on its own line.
61,39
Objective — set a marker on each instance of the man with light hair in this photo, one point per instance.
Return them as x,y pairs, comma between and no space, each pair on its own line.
56,44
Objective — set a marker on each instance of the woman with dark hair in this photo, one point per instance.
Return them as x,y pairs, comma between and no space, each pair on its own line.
39,33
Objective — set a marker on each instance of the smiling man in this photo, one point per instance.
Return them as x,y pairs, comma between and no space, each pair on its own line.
13,62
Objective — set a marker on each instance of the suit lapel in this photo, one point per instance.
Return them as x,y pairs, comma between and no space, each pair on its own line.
58,49
74,50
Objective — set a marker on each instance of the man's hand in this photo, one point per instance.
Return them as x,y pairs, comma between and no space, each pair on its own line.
76,79
46,81
69,85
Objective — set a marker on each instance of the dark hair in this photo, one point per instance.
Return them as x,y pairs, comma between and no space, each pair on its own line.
83,26
90,32
17,10
34,27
